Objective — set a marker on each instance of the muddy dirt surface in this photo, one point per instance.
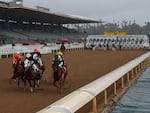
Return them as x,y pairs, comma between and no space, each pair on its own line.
83,67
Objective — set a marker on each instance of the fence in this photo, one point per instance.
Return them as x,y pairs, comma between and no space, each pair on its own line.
88,93
8,50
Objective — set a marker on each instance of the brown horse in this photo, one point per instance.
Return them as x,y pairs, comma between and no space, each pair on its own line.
41,66
17,73
59,75
32,78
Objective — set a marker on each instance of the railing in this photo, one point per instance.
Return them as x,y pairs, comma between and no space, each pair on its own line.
80,97
7,50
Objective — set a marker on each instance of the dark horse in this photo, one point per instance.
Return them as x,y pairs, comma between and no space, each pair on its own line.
58,78
17,72
32,78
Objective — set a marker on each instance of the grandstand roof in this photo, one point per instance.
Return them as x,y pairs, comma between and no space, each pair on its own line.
33,15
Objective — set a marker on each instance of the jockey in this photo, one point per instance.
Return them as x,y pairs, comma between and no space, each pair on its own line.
58,57
37,57
61,59
37,53
18,59
14,59
30,63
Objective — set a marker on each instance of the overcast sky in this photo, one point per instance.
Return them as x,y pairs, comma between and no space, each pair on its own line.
107,10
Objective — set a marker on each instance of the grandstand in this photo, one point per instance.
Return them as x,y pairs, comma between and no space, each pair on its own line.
22,23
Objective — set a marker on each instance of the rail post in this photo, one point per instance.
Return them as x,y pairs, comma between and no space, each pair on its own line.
94,105
128,77
122,82
115,88
105,97
132,72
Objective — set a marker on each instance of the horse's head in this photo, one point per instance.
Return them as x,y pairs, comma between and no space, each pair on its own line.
55,66
14,65
18,70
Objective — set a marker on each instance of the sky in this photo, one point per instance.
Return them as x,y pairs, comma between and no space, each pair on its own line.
106,10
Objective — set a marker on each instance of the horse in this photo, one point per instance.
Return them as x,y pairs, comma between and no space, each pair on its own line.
31,76
41,66
17,72
59,75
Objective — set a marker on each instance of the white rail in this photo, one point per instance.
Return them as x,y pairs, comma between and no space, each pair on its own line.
9,49
75,100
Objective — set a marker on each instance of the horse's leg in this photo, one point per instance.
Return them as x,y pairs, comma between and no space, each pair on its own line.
42,70
39,79
18,82
36,83
25,83
20,78
60,84
60,81
64,78
12,78
31,87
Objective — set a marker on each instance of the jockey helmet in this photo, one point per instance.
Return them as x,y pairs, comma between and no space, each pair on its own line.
36,50
60,53
15,55
19,53
28,55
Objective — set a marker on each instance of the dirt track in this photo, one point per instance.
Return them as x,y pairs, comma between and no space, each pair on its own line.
83,67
